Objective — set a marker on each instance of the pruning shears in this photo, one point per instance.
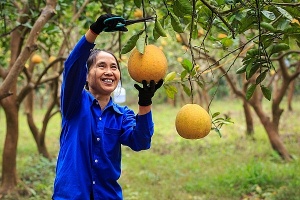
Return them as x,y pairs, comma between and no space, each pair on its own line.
121,22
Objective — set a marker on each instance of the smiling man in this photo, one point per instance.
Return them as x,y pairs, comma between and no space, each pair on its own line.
103,75
93,126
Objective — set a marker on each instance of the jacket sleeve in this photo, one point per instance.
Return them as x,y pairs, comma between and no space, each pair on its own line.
74,76
138,131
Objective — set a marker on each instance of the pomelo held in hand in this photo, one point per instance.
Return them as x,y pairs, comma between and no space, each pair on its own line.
152,65
193,122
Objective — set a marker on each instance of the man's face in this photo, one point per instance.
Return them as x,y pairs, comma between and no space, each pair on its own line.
104,75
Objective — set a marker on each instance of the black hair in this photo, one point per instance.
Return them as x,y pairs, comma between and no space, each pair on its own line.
92,59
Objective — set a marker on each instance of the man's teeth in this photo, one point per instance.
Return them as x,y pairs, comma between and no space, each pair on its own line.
108,80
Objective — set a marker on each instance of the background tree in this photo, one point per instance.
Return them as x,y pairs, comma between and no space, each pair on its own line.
22,45
272,29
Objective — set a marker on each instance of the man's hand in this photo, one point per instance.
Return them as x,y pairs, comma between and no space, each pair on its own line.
147,92
111,25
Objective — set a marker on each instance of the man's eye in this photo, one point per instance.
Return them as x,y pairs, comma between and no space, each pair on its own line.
114,67
100,65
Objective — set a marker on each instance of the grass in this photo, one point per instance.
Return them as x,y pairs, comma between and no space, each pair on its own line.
227,168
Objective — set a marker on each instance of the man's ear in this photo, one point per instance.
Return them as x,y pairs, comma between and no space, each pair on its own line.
86,86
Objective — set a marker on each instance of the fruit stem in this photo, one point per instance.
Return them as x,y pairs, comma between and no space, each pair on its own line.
145,23
191,48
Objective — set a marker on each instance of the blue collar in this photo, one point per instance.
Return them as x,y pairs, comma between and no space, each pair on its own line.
110,104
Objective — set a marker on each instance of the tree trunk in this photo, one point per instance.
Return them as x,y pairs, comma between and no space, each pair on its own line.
42,149
249,119
172,102
247,110
9,172
276,141
291,94
270,127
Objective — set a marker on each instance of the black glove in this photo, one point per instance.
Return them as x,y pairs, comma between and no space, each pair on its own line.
147,92
111,25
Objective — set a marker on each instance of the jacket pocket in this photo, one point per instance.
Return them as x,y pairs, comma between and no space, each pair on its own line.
111,143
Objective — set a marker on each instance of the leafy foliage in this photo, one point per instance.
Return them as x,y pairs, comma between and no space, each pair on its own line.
218,122
270,25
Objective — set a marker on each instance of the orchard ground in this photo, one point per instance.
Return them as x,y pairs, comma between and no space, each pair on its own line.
232,167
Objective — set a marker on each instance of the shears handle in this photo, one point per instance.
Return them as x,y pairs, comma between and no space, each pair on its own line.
118,22
113,23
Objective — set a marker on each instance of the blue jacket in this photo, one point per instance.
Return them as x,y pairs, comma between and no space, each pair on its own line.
89,160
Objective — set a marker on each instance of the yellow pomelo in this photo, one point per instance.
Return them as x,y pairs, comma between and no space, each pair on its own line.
36,59
222,35
180,59
138,13
193,122
200,32
152,65
178,38
51,59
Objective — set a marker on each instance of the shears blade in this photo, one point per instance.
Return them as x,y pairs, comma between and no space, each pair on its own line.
122,22
133,21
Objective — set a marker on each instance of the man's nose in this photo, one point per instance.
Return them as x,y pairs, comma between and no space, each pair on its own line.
108,71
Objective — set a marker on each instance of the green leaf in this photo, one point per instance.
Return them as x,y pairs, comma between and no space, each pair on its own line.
138,3
222,121
176,9
267,40
246,23
227,42
269,15
241,70
230,2
248,60
176,23
284,13
183,74
266,92
292,31
170,29
140,45
251,70
268,27
28,25
184,6
159,29
131,43
278,48
187,65
218,131
155,34
215,114
186,89
200,83
261,77
195,32
253,52
170,76
171,91
250,91
193,72
249,65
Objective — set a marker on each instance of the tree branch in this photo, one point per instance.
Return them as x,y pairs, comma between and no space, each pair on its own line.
220,17
285,4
